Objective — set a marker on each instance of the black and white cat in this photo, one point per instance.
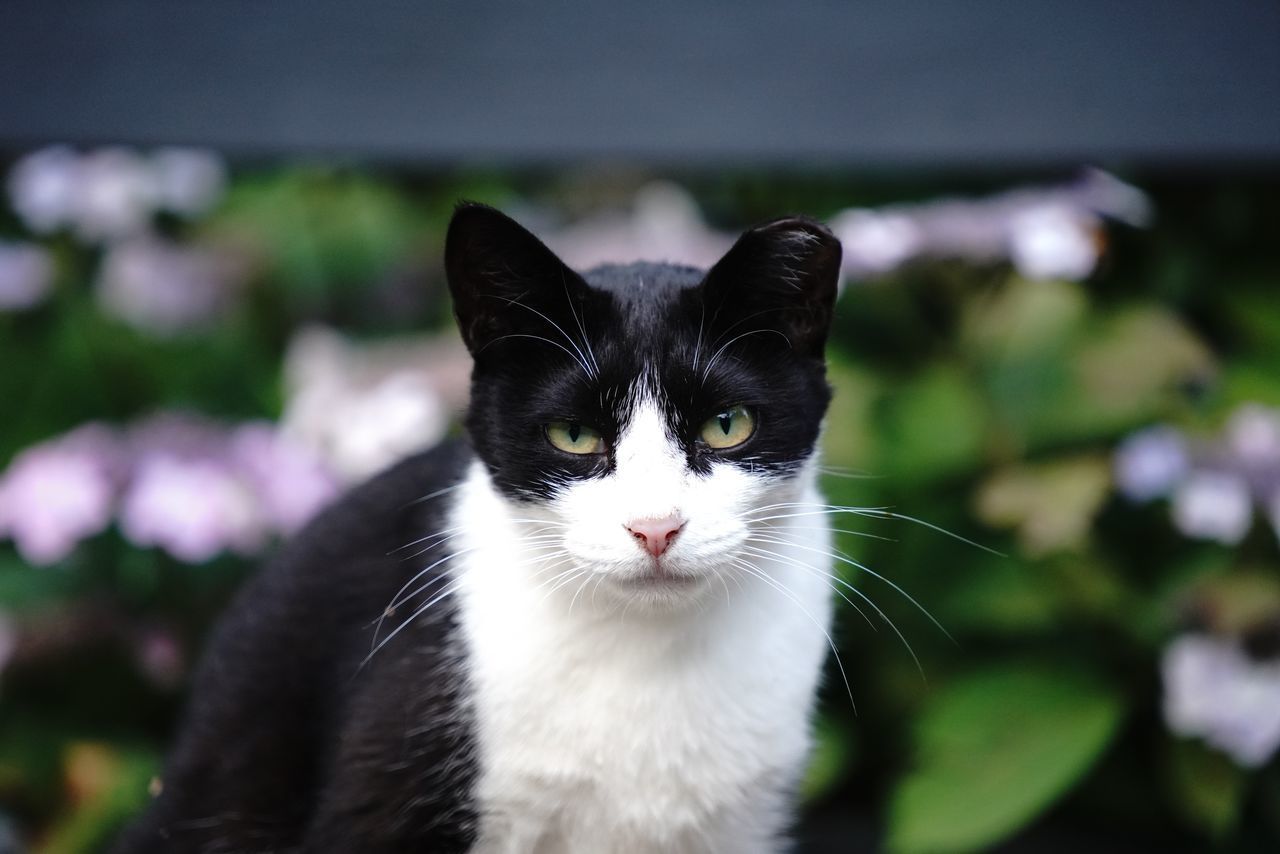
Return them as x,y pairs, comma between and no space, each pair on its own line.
597,629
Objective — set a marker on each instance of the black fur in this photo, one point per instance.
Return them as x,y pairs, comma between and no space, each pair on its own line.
292,742
289,744
551,345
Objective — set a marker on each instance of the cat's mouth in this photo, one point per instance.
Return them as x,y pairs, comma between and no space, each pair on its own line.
664,581
659,576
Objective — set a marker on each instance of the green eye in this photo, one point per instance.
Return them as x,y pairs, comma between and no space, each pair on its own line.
729,428
574,438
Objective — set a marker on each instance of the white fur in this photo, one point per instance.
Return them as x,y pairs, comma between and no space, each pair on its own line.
614,717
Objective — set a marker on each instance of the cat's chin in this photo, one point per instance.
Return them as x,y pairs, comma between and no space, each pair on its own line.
656,589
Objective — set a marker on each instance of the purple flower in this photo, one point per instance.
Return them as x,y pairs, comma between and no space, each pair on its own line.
1054,241
59,492
1253,436
26,274
290,482
115,195
1215,692
186,495
163,287
191,486
112,193
188,181
193,508
43,187
199,488
663,225
1150,463
1211,505
875,242
1047,232
363,408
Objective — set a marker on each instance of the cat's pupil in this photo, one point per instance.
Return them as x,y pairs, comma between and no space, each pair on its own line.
574,432
726,419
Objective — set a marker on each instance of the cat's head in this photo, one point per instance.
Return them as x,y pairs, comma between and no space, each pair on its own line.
646,412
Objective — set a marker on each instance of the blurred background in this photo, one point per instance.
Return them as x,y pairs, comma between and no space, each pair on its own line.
1057,351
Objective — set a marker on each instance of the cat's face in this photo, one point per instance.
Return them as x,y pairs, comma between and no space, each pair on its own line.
643,417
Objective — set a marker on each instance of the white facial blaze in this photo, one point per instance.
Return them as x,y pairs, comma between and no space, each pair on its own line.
650,469
652,480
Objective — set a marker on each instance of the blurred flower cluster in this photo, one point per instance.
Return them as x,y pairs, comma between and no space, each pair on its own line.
1216,691
1214,483
1053,232
111,193
663,224
26,275
179,482
111,197
1047,233
362,408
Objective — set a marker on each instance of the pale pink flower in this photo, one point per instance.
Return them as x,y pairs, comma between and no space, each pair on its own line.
1046,232
1214,691
26,275
163,287
663,224
43,188
193,508
115,195
1253,436
361,408
289,481
1212,505
1054,241
188,181
875,242
59,492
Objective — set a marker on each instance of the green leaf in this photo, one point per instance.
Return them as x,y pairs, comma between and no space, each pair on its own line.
993,751
847,440
933,426
25,588
1207,785
1052,505
994,596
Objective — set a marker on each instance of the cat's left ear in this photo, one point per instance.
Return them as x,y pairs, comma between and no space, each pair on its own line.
780,275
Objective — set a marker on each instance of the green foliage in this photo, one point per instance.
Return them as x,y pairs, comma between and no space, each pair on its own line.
992,750
1207,787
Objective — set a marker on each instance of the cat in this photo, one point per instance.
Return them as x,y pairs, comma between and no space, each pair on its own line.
597,626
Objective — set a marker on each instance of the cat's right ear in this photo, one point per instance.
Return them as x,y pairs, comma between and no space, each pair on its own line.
499,275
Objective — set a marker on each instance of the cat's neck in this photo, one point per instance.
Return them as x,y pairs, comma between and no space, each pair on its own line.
604,728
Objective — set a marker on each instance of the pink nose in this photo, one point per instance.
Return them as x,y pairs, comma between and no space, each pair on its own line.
656,535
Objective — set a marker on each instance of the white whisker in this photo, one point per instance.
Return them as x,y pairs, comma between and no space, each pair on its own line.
745,566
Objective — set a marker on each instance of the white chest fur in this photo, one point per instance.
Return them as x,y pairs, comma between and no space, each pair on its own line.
603,731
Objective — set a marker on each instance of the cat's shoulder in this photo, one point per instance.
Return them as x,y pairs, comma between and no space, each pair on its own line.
345,564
